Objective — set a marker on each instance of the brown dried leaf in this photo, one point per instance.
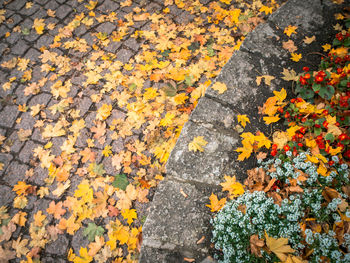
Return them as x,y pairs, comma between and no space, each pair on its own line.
256,244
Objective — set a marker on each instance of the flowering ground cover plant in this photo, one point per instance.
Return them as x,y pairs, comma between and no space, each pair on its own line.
295,203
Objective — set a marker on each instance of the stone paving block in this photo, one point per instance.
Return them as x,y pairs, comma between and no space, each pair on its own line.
205,167
6,195
63,10
106,27
30,11
13,38
8,115
19,48
108,6
42,98
32,54
51,5
26,154
44,41
13,20
124,55
16,5
132,43
40,174
14,143
305,14
178,219
5,160
113,46
58,247
14,173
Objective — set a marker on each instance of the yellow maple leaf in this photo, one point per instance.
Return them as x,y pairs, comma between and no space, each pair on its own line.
266,9
129,215
262,140
39,25
220,87
280,95
322,170
39,218
103,112
168,119
91,5
107,150
243,119
234,188
312,159
84,191
280,138
279,246
216,204
296,57
267,79
289,30
309,40
289,75
84,256
197,144
292,130
21,188
271,119
180,98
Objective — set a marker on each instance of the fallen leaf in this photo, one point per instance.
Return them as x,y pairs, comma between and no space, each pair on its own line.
220,87
279,246
197,144
289,45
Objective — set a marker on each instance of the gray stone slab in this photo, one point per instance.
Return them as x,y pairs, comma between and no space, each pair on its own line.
212,112
5,160
207,166
239,74
62,11
306,14
265,41
124,55
178,219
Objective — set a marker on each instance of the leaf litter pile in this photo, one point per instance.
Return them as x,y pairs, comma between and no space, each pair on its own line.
99,109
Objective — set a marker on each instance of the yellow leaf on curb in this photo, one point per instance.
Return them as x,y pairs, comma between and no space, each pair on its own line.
197,144
216,204
219,87
296,57
289,30
243,119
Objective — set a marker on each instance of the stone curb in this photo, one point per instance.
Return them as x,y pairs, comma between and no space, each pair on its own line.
177,228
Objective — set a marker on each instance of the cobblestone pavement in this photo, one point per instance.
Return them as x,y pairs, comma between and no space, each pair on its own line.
87,92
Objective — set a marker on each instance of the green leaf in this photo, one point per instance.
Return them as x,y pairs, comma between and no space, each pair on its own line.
120,181
326,92
317,131
336,42
93,230
329,137
25,31
316,87
188,80
306,93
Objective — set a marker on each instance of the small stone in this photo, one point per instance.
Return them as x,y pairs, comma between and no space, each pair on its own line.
58,247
